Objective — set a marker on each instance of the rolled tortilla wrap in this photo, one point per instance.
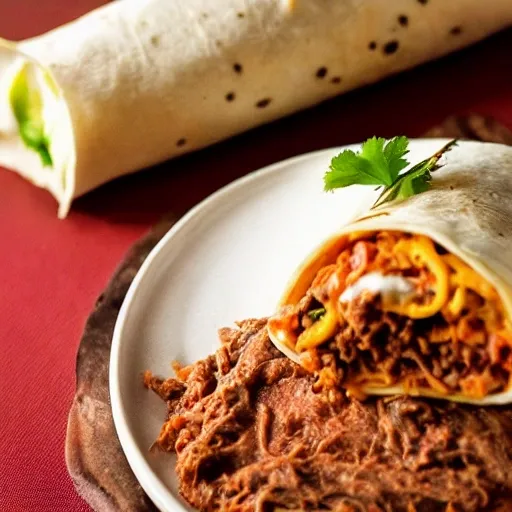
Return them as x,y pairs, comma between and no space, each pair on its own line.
134,83
414,296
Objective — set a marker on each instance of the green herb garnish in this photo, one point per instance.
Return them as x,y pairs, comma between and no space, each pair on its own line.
316,314
379,163
26,105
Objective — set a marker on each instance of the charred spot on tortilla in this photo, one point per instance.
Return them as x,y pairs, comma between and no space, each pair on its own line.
241,15
423,2
372,45
181,142
336,79
230,96
321,72
390,47
263,102
237,68
403,20
155,40
455,31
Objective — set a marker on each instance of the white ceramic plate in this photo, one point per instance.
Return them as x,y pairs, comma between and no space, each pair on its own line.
228,259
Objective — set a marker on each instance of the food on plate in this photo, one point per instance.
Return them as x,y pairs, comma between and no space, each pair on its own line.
414,296
251,433
136,82
411,299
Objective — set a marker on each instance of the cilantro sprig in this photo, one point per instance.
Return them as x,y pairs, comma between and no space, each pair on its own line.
380,163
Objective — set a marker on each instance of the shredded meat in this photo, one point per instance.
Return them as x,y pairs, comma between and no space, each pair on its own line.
250,433
396,345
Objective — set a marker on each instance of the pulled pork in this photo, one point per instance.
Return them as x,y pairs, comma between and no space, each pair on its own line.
250,433
371,341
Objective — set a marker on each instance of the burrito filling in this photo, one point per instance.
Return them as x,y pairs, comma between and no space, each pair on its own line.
398,309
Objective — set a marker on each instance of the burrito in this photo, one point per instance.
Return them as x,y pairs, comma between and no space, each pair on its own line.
136,82
415,296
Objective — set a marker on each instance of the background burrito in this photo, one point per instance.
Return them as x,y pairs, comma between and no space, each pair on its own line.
134,83
416,296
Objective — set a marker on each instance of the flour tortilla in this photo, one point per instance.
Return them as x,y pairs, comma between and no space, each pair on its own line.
137,82
468,211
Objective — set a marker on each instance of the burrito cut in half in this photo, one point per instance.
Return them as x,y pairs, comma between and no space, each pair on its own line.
137,82
414,297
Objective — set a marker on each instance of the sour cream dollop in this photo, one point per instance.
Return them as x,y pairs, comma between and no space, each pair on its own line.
395,289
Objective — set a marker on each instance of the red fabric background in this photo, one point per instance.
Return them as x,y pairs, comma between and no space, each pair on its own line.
51,271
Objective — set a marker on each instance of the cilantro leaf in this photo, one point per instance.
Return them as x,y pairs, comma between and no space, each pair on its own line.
395,149
349,169
415,180
378,163
316,314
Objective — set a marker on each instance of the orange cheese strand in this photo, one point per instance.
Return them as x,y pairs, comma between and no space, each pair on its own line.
320,331
422,253
465,275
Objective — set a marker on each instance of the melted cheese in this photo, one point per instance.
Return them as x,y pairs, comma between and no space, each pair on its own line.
422,253
466,276
320,331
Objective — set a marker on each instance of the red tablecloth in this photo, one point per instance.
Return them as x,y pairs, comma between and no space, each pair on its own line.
51,271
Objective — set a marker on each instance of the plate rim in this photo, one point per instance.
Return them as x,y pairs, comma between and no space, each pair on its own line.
157,491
